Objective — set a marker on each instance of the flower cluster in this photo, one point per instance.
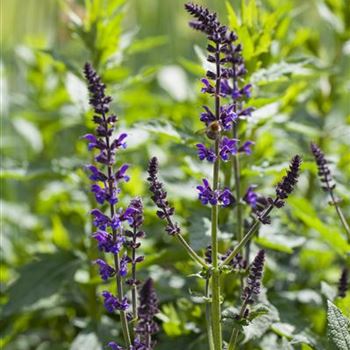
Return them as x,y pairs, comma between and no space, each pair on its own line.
112,235
159,197
146,326
286,186
228,65
324,172
106,186
207,195
237,263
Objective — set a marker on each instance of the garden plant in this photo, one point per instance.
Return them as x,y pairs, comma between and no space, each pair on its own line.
197,204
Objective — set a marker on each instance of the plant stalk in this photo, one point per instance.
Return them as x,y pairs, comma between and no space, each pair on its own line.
208,314
248,235
340,215
215,285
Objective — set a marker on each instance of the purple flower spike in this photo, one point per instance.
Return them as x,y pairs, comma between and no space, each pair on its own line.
227,148
106,271
100,220
246,148
207,117
206,153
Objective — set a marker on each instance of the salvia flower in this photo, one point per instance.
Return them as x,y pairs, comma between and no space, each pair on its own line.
343,284
227,148
253,286
286,186
206,153
106,271
160,198
324,172
148,308
112,303
208,196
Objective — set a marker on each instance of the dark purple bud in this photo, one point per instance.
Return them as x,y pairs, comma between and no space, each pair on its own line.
324,172
254,278
286,186
343,284
160,197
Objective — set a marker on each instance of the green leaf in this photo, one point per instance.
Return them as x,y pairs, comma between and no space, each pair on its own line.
232,17
86,341
60,236
338,327
41,279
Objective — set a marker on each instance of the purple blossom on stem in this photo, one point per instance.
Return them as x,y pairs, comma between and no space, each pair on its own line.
246,148
207,196
114,346
112,303
206,153
251,197
106,271
227,148
343,283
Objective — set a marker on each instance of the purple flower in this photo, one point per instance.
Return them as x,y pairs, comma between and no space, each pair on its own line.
106,271
111,303
100,220
114,346
245,148
227,148
207,117
96,175
120,174
206,194
206,153
251,197
123,267
227,116
119,142
107,243
225,197
207,88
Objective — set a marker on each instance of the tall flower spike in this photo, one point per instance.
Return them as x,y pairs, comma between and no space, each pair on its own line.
324,172
286,186
160,198
254,279
148,308
343,284
106,188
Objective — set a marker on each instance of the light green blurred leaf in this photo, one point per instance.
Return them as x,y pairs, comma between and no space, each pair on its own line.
338,327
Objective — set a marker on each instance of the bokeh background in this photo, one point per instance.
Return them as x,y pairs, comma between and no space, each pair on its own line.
297,55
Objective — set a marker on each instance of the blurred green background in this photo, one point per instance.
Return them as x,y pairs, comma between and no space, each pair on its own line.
297,57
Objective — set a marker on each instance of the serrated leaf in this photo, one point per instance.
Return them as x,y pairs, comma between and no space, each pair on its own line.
338,327
40,279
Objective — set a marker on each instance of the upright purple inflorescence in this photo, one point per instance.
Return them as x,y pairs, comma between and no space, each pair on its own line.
324,172
112,235
343,283
160,198
220,82
286,186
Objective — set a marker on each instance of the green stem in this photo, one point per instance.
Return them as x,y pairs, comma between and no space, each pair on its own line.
247,236
208,315
340,215
191,252
235,332
120,294
215,284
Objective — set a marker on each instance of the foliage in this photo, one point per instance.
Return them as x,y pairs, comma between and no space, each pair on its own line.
297,55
